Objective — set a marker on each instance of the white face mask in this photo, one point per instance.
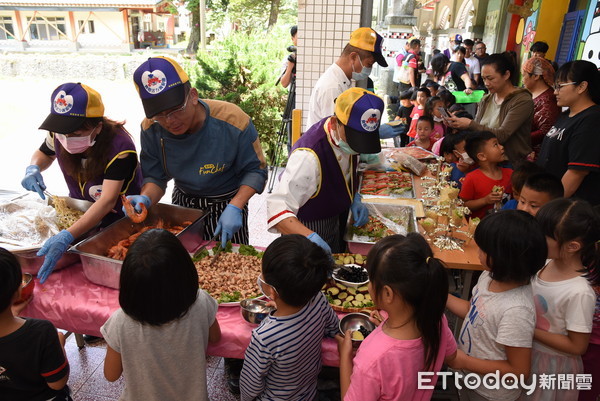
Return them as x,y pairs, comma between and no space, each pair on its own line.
78,144
342,144
364,72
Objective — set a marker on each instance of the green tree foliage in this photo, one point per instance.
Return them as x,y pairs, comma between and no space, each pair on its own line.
243,69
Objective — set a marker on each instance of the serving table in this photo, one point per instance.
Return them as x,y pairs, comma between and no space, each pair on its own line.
73,303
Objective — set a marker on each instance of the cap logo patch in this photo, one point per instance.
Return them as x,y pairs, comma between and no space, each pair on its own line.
154,82
63,103
370,119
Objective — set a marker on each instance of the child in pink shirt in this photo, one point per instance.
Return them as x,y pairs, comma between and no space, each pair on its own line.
408,283
422,95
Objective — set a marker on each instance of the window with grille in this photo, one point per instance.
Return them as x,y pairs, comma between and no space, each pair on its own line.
51,28
6,28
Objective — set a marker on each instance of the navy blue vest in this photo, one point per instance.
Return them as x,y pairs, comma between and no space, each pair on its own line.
333,195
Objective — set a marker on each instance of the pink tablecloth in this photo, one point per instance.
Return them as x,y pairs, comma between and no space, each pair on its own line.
73,303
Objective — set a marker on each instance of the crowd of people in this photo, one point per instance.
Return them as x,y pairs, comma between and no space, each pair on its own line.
531,311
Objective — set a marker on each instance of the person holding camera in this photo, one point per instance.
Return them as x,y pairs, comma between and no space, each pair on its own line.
288,69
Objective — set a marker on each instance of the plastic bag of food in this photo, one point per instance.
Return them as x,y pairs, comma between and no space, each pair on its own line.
396,158
26,223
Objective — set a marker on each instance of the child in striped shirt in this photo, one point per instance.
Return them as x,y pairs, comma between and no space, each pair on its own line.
283,359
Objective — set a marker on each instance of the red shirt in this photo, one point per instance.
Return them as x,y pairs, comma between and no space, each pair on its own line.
414,143
477,185
416,113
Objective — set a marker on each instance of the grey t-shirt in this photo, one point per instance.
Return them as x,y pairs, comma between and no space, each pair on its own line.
167,362
491,115
496,320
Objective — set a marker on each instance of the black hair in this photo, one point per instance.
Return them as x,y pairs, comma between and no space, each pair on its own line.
159,282
296,267
414,95
514,244
407,94
450,141
293,30
11,278
438,64
460,49
468,42
432,84
436,51
540,46
475,142
408,267
568,219
579,71
426,91
429,105
459,111
522,169
414,43
448,98
546,183
429,119
502,62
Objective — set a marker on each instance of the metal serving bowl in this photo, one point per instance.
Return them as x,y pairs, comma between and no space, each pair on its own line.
353,321
255,310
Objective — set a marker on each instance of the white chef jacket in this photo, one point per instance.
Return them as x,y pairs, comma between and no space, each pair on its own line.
329,86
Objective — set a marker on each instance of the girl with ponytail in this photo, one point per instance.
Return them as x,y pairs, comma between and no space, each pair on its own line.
411,287
497,332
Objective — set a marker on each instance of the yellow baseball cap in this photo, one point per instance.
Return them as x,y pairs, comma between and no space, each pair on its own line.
360,112
367,39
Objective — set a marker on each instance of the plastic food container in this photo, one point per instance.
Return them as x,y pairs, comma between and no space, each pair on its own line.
102,270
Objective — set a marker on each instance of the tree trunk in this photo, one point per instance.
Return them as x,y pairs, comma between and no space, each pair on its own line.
194,41
274,13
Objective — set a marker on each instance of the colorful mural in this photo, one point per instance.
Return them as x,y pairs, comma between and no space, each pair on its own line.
590,38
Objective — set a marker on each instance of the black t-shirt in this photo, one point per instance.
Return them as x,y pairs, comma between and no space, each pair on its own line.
574,143
29,358
457,70
404,114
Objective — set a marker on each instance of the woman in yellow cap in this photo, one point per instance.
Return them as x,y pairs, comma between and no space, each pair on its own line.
97,157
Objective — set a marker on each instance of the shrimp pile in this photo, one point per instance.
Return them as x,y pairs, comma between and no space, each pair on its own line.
230,273
132,213
119,251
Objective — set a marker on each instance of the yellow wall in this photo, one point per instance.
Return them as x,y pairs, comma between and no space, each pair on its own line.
549,23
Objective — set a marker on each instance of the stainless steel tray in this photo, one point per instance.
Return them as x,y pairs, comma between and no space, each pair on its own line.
102,270
386,209
406,194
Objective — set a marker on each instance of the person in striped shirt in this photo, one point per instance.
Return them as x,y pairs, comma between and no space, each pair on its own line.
283,359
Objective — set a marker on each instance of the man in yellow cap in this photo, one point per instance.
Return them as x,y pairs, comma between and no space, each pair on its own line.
319,185
354,64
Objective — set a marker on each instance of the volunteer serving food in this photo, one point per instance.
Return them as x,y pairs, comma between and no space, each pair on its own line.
319,185
97,157
209,147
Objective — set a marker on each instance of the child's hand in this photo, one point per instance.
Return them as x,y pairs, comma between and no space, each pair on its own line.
493,197
345,344
459,362
375,317
271,303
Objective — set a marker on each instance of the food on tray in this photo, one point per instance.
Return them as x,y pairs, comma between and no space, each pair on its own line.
352,274
65,216
361,333
119,250
385,183
342,296
229,278
448,193
457,217
473,222
432,214
416,152
250,251
349,258
375,228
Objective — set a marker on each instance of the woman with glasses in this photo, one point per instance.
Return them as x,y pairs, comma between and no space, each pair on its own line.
538,78
97,157
506,110
571,149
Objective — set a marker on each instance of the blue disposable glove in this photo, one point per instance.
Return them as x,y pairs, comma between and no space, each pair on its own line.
53,248
33,180
135,202
229,223
360,213
314,237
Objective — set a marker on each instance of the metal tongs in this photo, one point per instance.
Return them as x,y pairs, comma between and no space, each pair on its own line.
203,247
